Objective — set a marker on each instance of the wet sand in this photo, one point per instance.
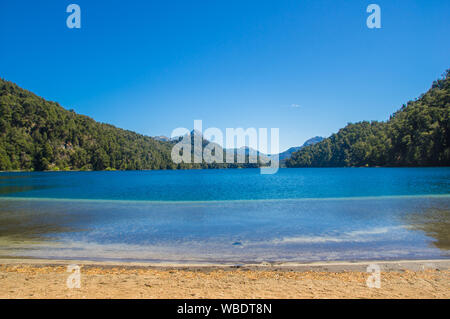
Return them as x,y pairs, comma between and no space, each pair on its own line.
47,279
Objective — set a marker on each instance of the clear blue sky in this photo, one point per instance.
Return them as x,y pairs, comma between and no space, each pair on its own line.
152,66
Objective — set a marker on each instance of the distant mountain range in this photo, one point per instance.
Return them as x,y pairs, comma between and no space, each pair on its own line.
245,150
287,154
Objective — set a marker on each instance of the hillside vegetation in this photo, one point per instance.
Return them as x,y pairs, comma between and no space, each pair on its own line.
416,135
36,134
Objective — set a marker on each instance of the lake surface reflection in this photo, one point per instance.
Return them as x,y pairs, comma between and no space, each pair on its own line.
236,231
227,215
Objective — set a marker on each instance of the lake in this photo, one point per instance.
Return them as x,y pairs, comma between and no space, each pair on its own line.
227,216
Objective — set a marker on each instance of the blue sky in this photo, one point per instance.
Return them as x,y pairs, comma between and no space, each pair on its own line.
153,66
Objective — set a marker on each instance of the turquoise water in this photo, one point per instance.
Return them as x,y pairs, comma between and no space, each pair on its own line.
233,184
227,215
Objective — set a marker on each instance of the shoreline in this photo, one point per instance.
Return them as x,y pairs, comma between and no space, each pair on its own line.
326,266
212,168
47,279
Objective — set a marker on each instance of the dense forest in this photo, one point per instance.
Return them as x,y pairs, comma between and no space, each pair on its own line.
36,134
416,135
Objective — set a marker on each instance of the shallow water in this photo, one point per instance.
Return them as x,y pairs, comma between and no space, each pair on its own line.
227,215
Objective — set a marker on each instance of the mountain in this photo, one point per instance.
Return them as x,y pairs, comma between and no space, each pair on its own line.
36,134
161,138
245,151
313,140
416,135
287,154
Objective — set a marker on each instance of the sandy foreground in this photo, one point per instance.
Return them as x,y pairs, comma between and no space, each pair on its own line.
48,279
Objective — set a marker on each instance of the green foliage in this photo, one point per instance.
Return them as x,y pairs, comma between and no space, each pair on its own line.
417,135
36,134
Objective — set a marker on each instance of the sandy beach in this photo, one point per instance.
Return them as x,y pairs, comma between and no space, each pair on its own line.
47,279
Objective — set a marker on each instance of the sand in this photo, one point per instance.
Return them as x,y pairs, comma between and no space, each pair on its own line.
47,279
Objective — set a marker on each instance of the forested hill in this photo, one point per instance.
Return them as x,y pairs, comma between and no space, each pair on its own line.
36,134
416,135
